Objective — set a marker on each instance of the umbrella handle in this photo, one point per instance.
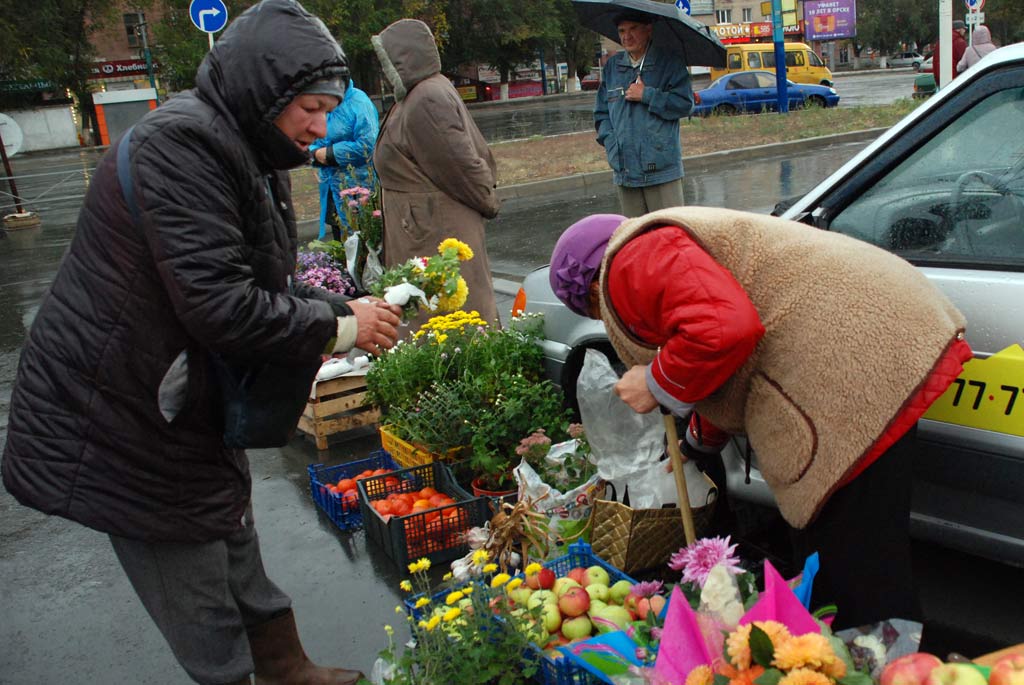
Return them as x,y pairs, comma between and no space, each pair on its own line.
677,470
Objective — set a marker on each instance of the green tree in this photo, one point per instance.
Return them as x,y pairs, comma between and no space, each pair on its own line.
500,34
889,25
576,43
52,41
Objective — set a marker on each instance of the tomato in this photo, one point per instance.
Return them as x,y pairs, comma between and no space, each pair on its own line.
382,506
349,500
427,492
346,484
399,507
380,472
438,499
422,504
391,483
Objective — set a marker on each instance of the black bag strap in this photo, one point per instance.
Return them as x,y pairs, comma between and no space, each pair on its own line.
124,175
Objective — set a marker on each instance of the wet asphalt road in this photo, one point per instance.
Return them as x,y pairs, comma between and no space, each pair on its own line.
69,613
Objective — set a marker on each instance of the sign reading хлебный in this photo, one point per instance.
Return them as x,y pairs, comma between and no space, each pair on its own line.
830,19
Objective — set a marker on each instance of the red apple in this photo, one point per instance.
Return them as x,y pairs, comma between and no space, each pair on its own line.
909,669
574,602
646,605
955,674
1008,671
541,580
578,573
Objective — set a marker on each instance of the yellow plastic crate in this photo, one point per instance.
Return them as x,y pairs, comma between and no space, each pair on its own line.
407,454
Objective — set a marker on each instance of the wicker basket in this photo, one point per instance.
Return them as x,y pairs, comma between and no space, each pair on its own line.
635,540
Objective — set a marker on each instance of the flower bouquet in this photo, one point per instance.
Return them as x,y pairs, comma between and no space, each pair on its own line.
430,282
322,265
365,234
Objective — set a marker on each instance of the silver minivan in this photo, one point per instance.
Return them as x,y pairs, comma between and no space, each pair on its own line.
944,189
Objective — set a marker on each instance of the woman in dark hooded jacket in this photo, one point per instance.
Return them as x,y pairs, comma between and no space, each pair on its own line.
114,418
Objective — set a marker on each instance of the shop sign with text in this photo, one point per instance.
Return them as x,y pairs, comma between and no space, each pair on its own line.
120,67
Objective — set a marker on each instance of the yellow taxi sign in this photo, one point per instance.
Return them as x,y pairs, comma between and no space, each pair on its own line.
989,394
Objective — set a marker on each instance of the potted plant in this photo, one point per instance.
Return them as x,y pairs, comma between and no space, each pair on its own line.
463,383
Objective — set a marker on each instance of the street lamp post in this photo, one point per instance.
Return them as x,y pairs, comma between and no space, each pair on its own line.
143,33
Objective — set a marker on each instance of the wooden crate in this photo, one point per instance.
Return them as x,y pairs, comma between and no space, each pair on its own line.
338,405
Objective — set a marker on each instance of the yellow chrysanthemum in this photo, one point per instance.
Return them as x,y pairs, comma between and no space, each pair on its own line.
805,676
422,625
389,630
490,568
702,675
447,576
811,650
737,644
422,602
457,299
468,590
418,334
465,251
399,609
420,566
452,614
480,557
498,580
405,585
532,569
432,623
513,584
453,597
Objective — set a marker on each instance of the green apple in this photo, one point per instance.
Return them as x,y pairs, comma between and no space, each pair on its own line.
521,595
619,591
540,597
616,615
598,591
550,617
596,574
576,627
955,674
562,584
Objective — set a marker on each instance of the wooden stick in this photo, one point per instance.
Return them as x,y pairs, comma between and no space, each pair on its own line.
677,470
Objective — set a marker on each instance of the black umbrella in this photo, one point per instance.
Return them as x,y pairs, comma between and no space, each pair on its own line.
673,29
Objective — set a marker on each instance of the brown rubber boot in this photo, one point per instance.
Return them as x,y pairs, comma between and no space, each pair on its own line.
281,660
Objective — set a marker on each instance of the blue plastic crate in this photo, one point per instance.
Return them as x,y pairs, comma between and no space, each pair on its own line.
550,670
345,515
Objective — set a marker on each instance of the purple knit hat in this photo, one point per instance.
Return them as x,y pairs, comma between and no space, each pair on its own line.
577,257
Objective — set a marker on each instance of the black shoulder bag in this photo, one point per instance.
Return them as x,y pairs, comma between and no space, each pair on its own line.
261,403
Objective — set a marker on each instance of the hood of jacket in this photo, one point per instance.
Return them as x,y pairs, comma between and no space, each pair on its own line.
266,57
407,54
981,35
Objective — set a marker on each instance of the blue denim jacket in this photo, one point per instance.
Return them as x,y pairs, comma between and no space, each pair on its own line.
641,139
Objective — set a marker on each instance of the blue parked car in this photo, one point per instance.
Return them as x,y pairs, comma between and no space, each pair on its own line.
755,91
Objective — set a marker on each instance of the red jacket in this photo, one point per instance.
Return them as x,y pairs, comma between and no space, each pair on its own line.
669,292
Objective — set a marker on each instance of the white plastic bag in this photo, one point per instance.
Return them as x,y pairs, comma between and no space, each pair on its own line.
627,446
567,514
621,440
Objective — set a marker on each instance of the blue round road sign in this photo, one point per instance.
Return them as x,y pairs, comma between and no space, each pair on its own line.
209,16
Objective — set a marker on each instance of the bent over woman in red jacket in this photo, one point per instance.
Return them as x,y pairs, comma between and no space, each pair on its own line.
823,350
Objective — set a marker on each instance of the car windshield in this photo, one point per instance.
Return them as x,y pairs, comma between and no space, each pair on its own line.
960,195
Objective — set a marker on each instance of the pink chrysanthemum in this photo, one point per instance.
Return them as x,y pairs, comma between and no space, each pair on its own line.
697,560
647,588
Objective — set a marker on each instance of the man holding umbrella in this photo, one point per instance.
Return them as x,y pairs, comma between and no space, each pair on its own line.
645,91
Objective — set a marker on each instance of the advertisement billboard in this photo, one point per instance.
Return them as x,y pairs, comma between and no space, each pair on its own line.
830,19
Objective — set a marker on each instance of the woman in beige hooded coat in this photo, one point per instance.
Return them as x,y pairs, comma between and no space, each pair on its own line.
437,175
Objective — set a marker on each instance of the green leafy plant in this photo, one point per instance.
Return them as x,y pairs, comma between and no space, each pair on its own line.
430,282
463,632
460,382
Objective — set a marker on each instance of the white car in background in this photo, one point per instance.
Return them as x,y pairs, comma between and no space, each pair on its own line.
944,189
906,59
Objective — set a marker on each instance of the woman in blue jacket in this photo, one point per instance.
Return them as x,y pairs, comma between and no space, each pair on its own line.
344,157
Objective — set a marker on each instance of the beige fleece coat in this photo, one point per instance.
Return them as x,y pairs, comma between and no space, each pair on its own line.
437,174
852,332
